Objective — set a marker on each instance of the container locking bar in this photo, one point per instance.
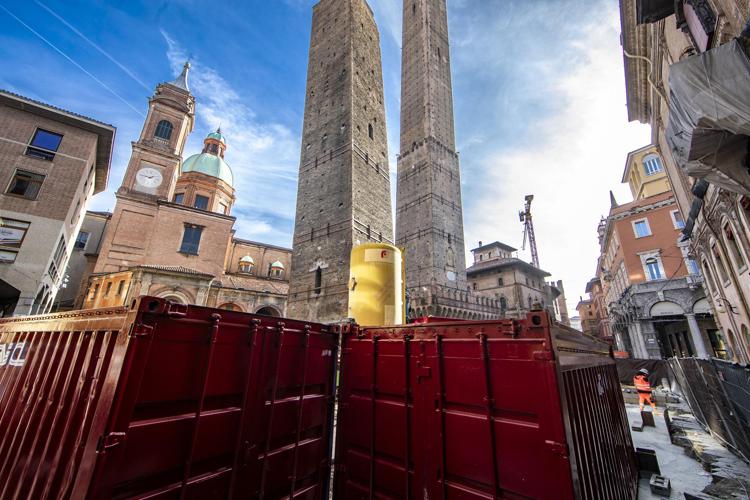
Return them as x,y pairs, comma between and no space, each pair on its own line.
110,441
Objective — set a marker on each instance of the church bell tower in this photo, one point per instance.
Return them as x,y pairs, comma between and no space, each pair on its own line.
151,176
155,162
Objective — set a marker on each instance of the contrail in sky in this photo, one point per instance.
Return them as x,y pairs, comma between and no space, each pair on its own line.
97,47
72,61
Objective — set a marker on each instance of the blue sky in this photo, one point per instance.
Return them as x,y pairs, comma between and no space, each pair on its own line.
538,89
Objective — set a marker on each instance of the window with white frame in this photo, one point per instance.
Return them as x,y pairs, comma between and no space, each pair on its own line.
641,228
712,287
652,164
720,265
734,248
652,266
677,219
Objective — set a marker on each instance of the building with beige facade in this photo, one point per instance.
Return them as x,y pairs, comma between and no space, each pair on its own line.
586,316
52,162
82,260
655,304
686,76
500,280
171,233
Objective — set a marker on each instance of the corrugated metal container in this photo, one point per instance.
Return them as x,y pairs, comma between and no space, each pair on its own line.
493,409
164,401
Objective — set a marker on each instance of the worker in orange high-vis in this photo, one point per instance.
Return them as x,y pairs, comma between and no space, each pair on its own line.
644,388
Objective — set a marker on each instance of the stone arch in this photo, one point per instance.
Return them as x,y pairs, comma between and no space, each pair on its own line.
701,306
268,310
174,296
666,308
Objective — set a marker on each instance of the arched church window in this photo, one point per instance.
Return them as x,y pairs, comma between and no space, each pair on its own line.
163,130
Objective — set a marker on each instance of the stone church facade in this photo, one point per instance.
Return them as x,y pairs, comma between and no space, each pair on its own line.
171,233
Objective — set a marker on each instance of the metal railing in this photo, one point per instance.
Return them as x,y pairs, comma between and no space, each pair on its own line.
718,393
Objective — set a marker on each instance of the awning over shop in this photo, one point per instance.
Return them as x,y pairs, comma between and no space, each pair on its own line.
709,116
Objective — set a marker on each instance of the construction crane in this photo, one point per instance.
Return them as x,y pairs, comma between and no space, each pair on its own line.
528,230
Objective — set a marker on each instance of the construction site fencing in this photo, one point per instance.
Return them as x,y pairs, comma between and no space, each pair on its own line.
718,393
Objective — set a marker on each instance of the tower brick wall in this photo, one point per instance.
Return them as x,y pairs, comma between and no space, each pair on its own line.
343,195
429,218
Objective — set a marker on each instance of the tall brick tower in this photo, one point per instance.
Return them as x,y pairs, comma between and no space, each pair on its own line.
343,197
429,219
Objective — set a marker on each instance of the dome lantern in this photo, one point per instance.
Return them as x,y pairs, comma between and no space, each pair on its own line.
211,160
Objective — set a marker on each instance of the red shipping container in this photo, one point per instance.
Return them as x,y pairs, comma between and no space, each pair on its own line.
477,410
164,401
171,401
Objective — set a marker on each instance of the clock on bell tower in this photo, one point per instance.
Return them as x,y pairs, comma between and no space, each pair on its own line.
155,162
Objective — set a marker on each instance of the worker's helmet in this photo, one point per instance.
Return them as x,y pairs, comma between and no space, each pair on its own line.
643,371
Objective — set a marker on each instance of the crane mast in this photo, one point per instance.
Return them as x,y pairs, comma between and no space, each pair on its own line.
528,230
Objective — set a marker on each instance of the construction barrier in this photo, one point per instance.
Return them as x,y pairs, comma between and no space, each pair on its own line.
718,393
627,368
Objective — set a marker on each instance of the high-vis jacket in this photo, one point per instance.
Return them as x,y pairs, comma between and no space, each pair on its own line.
641,384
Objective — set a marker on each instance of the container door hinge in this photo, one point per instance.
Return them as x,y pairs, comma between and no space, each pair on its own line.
141,330
557,448
110,441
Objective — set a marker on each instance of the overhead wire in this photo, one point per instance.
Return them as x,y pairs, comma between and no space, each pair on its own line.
93,44
72,61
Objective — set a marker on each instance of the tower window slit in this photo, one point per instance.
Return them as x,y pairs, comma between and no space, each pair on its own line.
318,280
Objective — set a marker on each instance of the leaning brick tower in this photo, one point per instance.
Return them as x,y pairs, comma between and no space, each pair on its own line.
343,196
429,218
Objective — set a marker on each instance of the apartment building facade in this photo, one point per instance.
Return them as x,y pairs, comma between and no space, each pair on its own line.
656,306
52,162
686,69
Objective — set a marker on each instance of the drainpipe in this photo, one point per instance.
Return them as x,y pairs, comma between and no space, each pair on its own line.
650,72
208,291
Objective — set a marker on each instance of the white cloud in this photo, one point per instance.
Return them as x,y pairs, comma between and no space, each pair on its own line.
263,156
569,159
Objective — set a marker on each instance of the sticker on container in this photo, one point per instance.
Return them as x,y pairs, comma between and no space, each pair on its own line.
13,354
379,255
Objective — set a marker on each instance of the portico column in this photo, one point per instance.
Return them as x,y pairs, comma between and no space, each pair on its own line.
695,333
636,338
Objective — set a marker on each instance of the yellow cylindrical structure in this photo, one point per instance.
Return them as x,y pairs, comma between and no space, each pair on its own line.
376,285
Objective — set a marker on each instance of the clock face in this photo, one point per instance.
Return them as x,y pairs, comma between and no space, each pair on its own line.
149,177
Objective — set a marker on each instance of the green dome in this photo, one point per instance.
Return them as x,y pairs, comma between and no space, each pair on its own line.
209,164
217,135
